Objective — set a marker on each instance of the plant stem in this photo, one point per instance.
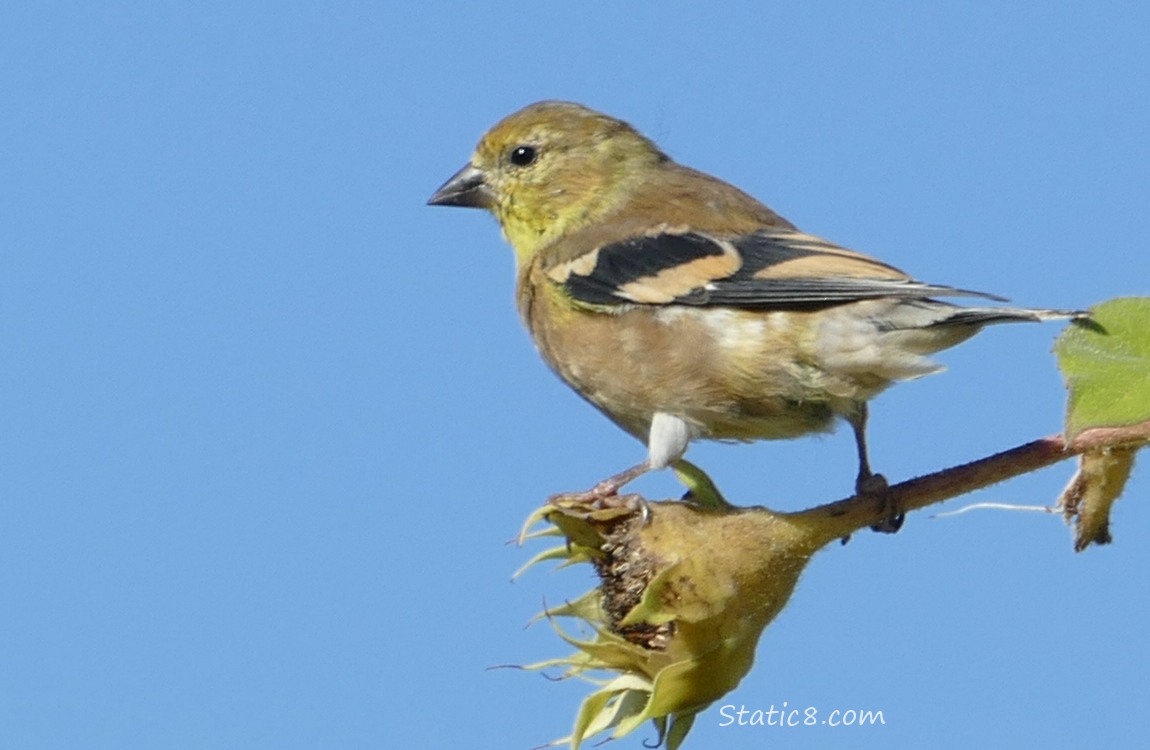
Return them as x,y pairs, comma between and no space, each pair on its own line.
844,517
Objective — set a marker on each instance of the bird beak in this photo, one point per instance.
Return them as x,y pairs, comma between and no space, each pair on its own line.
465,188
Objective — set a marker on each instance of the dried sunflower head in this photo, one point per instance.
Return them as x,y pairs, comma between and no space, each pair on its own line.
684,594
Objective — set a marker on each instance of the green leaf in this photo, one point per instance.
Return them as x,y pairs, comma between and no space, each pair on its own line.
679,728
1106,364
701,489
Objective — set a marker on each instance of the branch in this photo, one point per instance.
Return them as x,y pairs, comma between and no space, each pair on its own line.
844,517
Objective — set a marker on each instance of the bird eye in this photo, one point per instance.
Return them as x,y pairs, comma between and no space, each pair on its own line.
523,155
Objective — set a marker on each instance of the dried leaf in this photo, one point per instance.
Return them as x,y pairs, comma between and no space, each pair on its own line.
1087,500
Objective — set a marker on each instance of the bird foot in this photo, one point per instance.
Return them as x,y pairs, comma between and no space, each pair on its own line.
605,495
609,487
597,497
876,486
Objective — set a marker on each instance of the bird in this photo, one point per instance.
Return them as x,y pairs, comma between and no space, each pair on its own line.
684,309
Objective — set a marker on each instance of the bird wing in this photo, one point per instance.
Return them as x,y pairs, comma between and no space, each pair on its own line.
767,269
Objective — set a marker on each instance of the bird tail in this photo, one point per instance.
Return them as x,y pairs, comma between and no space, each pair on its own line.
981,316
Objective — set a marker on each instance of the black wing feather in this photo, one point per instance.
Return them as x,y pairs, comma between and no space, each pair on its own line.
642,258
622,263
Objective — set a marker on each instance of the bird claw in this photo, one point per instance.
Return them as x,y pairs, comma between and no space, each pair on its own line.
889,525
593,498
876,486
596,497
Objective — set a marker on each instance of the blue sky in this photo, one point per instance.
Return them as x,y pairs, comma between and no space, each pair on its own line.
267,421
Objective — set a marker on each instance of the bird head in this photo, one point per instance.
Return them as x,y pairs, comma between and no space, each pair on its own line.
549,169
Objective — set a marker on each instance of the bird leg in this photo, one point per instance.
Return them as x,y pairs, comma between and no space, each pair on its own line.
667,440
609,487
869,484
612,484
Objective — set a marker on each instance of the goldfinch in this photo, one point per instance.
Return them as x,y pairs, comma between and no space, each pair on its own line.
683,308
